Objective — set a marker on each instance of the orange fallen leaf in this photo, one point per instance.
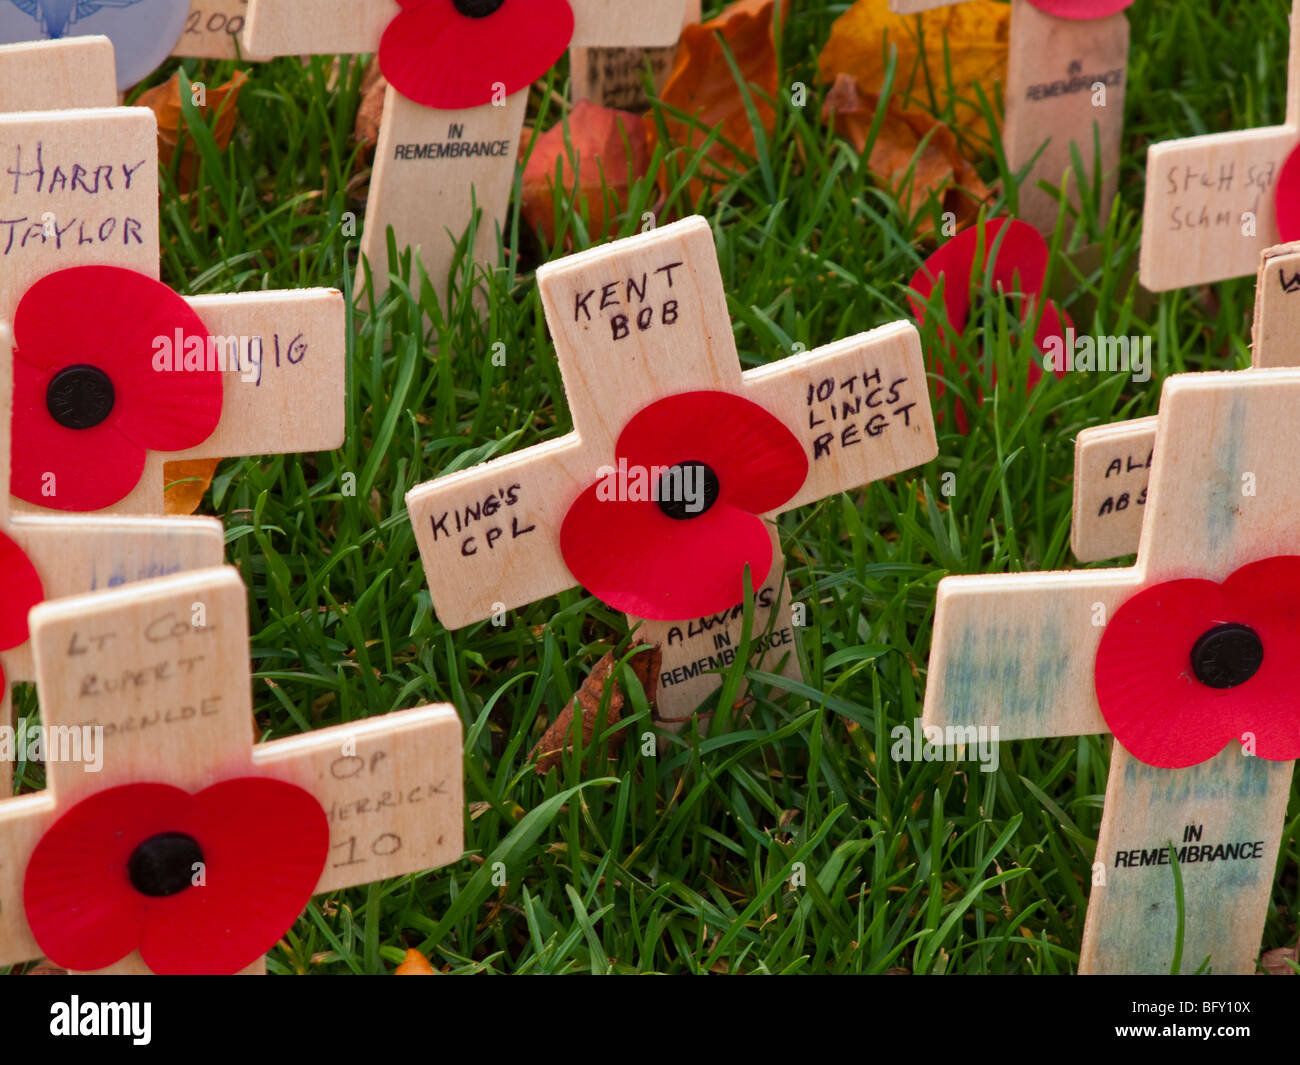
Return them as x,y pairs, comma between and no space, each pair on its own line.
187,481
415,964
556,742
165,102
914,155
967,41
703,86
598,153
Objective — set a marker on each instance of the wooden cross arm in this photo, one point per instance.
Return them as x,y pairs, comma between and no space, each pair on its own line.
1112,464
1277,310
489,537
1198,195
22,823
316,27
58,75
284,356
1017,651
860,407
74,556
391,787
328,27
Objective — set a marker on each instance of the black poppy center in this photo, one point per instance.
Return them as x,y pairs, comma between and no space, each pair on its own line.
80,397
1227,656
477,8
687,490
164,864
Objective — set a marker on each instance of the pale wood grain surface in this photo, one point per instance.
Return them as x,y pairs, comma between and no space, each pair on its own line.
56,75
162,667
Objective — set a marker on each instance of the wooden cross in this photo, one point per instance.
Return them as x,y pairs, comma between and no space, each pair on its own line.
634,322
431,202
1018,651
1210,201
1112,463
80,188
74,555
1066,78
615,77
162,670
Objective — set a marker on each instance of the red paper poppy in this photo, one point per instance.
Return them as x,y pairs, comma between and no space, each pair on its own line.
100,378
1015,257
22,591
118,873
1187,667
1288,198
1081,9
667,532
452,54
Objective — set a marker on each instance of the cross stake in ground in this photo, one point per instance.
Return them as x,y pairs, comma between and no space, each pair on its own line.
1112,463
1066,81
80,189
1021,652
1210,206
162,669
634,323
430,202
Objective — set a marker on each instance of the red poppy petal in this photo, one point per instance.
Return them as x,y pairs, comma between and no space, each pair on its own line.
122,322
760,464
264,845
637,559
92,468
1081,9
1288,198
1148,691
22,591
1053,324
435,56
80,905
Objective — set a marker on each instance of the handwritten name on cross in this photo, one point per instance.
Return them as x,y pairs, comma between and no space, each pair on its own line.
633,323
162,669
1112,463
1018,651
1066,82
80,188
615,77
435,168
1210,206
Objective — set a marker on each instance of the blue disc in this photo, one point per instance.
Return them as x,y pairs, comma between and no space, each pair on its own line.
143,32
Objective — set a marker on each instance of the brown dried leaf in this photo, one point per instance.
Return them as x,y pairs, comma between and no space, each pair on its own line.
556,741
374,88
187,481
165,102
1279,962
969,39
610,151
907,136
702,85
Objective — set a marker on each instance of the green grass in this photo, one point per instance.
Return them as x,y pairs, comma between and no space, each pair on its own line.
683,861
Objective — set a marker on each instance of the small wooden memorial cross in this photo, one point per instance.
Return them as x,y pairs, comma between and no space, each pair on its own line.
423,186
1066,78
1112,463
151,684
212,30
79,188
73,555
634,323
1028,654
57,75
1211,206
